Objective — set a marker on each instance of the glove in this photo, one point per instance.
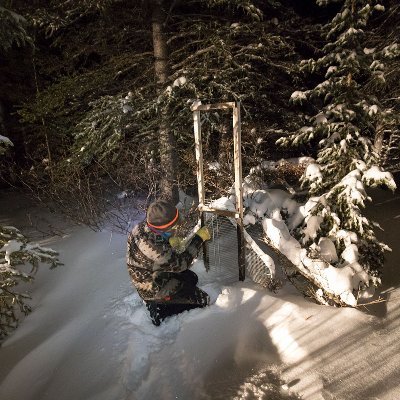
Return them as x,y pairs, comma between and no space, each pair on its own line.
177,243
204,233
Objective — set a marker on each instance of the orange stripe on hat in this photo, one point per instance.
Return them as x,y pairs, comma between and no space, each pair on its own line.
162,227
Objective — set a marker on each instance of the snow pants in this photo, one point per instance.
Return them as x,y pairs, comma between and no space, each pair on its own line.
188,297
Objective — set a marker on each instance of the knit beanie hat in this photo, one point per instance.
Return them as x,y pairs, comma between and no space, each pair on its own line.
162,215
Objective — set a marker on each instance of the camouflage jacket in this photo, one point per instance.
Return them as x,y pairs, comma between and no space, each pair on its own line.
153,264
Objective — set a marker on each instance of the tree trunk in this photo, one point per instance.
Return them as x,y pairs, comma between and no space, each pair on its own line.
169,187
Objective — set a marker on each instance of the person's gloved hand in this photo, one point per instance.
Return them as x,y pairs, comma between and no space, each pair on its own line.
177,243
204,233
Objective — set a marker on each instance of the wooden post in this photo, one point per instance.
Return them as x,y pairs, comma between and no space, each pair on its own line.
200,178
237,145
199,157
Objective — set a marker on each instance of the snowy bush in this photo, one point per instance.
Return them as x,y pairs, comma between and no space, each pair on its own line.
15,251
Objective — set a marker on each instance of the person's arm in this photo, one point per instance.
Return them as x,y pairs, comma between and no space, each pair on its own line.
172,261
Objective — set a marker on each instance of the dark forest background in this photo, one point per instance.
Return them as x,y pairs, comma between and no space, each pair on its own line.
83,92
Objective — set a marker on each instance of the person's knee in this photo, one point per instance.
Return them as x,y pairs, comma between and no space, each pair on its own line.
190,277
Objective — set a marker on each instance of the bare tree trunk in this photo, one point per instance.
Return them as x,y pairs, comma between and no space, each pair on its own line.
169,187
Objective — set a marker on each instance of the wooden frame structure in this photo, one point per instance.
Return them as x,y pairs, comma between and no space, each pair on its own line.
238,213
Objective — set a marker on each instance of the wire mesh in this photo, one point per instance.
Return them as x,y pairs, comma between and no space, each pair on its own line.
221,252
258,264
256,268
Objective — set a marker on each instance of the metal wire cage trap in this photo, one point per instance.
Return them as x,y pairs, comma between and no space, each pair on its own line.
222,252
231,244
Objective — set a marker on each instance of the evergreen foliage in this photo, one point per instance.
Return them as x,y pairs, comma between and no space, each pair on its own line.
343,127
385,38
100,110
12,30
57,15
12,33
15,251
225,66
246,5
391,151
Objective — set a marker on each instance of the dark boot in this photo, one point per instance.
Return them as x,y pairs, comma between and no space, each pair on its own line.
177,304
155,312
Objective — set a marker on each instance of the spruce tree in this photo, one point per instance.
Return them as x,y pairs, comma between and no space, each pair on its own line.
342,129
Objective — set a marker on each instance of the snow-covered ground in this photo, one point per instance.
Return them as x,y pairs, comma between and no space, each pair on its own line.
89,336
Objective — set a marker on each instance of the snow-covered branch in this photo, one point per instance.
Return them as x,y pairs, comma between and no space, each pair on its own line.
15,250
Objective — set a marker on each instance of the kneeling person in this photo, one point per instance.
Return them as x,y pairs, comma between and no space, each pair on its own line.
159,273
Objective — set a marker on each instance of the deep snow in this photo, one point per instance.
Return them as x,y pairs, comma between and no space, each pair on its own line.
89,336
